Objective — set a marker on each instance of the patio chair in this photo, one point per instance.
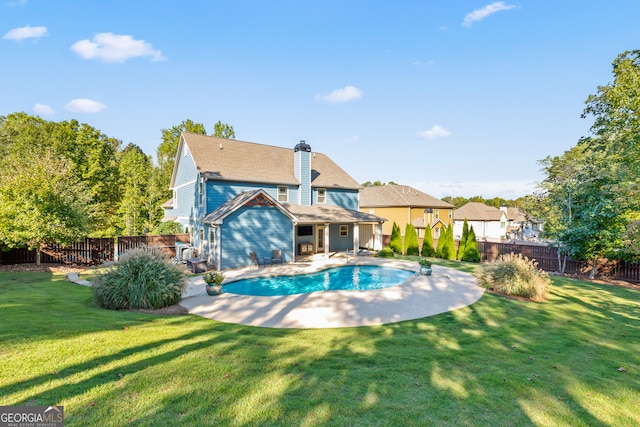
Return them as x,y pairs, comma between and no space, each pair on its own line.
276,256
255,260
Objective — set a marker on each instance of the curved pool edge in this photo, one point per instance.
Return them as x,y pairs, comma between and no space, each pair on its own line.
420,296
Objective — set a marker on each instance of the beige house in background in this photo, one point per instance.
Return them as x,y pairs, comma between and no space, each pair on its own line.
488,223
403,204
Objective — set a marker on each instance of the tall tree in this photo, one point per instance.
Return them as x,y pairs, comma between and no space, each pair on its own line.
135,208
93,157
593,188
41,200
223,130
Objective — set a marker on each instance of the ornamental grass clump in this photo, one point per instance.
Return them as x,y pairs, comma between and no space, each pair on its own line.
141,279
513,274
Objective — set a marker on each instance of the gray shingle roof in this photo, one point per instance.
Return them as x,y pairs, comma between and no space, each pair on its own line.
474,211
391,195
217,215
304,214
330,214
233,160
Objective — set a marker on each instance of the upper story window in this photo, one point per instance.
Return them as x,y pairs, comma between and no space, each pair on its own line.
283,194
450,213
201,192
322,195
437,213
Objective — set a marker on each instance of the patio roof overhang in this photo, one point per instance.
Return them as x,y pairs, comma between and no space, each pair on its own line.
330,214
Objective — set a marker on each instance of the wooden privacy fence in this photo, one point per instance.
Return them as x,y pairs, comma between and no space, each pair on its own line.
93,251
547,259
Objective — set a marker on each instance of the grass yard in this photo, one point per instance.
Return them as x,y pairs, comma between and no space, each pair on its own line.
497,362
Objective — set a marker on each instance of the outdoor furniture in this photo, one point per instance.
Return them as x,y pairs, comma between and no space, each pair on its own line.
276,256
197,265
255,261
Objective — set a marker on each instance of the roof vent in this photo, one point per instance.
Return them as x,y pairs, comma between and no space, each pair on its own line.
302,146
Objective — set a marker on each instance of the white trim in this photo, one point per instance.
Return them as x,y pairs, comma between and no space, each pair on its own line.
186,183
324,196
286,187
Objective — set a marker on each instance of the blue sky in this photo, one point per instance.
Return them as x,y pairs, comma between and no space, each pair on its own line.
451,97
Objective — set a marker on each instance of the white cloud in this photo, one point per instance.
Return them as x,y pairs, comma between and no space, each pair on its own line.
436,131
480,14
42,109
110,47
83,105
28,32
346,94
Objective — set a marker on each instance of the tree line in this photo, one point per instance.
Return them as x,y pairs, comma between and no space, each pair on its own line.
62,181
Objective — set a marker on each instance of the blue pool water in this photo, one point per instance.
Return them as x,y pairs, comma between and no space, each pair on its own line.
351,278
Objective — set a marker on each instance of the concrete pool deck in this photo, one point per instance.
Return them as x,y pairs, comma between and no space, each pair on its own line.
420,296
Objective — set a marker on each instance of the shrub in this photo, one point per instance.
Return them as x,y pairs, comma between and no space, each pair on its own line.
427,243
386,252
471,252
513,274
396,239
449,247
441,240
411,240
463,239
168,227
140,279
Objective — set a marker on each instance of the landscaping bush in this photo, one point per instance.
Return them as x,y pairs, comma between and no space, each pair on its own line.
441,240
471,252
449,246
411,240
513,274
386,252
168,227
463,239
140,279
427,243
395,242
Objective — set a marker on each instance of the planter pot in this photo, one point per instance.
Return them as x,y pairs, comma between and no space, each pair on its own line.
213,289
425,270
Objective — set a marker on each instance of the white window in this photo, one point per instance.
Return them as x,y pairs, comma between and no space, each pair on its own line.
437,213
283,194
344,230
201,192
322,195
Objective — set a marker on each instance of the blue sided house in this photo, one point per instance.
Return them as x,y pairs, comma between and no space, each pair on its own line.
237,197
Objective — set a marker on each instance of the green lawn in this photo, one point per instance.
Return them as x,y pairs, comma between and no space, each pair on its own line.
497,362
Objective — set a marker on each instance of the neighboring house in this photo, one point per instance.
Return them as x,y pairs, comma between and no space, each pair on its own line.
403,204
521,226
235,197
488,223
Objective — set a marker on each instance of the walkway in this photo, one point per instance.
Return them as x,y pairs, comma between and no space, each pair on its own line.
420,296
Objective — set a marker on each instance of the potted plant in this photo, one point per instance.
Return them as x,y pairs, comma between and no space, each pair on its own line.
425,267
213,281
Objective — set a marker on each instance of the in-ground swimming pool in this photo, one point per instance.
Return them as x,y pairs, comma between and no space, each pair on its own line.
350,278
